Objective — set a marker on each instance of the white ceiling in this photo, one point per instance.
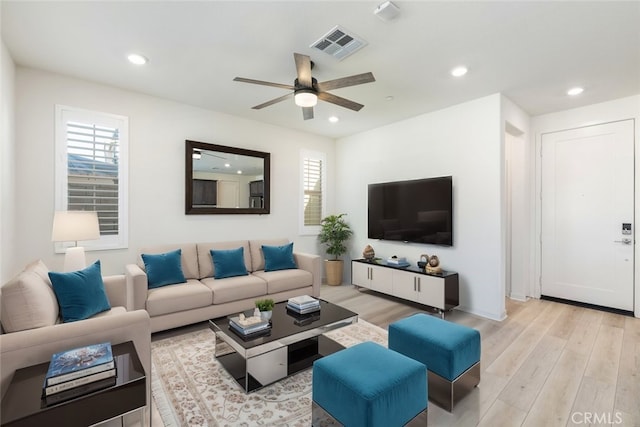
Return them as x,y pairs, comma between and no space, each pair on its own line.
532,52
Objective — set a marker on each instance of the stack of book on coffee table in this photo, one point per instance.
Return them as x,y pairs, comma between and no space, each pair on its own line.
79,371
303,304
249,326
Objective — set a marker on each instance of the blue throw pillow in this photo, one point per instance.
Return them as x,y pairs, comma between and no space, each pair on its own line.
278,257
163,269
80,293
228,263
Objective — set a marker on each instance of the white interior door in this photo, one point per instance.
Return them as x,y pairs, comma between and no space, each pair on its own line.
228,194
587,196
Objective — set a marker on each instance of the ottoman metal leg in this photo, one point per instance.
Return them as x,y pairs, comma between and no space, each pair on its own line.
445,393
321,418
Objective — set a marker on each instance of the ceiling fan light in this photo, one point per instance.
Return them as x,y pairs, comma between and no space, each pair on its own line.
306,98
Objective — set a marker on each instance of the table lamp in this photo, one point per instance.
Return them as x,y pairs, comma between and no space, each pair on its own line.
72,226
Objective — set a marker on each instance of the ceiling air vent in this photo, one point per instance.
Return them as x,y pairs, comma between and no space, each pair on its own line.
339,43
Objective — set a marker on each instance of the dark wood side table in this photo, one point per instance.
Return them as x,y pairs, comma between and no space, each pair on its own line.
22,404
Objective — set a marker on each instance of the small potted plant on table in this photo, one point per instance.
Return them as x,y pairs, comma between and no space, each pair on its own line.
334,232
266,308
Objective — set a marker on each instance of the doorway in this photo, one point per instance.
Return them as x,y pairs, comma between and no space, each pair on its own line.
228,194
518,207
587,211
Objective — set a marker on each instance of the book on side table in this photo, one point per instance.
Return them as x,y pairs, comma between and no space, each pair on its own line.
79,371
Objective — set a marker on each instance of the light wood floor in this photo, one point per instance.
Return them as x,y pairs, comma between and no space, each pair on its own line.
548,364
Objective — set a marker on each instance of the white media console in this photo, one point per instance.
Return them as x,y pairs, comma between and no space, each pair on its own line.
439,290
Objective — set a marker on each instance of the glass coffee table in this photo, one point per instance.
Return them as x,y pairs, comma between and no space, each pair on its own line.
292,344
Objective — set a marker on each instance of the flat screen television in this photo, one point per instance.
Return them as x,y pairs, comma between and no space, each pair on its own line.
418,211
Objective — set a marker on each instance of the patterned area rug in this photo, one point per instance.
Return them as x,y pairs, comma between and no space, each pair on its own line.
190,388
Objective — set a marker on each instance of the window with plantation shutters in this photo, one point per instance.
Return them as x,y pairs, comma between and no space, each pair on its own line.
313,187
91,173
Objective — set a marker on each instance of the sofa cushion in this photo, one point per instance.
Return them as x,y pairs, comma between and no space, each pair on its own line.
228,262
204,255
163,269
28,300
257,257
278,257
188,257
80,293
285,280
175,298
236,288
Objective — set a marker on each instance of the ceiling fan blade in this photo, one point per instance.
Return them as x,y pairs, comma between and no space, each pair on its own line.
342,102
303,67
358,79
273,101
260,82
307,113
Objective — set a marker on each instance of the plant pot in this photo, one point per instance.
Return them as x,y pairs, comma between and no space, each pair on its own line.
334,268
266,315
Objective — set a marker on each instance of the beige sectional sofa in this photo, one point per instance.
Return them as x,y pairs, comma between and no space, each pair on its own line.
203,297
32,330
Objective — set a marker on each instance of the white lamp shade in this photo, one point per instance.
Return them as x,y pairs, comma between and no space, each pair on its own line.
71,226
305,98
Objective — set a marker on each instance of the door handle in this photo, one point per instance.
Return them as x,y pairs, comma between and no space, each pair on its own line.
624,241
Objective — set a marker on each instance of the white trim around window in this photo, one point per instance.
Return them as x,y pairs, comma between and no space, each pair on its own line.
313,197
92,172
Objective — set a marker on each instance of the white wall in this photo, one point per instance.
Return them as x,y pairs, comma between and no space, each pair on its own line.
157,131
620,109
7,169
465,141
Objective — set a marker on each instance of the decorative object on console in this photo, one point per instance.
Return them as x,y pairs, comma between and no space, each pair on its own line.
334,232
368,253
397,261
72,226
433,265
424,260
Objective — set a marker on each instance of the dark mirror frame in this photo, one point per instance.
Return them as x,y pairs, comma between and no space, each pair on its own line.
188,187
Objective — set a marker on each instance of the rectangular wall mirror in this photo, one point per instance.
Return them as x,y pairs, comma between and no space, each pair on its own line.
226,180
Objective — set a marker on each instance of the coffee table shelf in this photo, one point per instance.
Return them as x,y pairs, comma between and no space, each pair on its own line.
292,346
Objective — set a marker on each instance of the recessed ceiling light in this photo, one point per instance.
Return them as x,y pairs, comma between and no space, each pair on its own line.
137,59
239,172
334,119
389,98
459,71
227,165
575,91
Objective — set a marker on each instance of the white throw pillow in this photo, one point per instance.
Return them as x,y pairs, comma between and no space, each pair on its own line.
28,300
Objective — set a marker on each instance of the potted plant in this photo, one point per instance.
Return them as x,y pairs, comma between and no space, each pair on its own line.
334,232
265,306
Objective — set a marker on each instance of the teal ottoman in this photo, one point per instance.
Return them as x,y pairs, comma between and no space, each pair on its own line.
450,351
368,385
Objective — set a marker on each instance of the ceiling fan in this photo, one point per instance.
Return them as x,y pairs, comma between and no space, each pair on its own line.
307,90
